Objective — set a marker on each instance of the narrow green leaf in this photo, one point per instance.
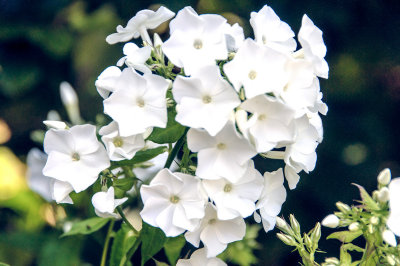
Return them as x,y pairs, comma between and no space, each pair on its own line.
4,264
368,201
140,157
345,236
86,227
123,241
173,247
345,257
160,263
352,247
153,240
124,183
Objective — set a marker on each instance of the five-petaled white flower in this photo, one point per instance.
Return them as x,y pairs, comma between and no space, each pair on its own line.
173,202
104,203
75,156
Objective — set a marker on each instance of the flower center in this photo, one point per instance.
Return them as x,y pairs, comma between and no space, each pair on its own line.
207,99
228,188
212,221
140,102
252,75
197,44
174,199
221,146
75,157
118,142
264,39
262,117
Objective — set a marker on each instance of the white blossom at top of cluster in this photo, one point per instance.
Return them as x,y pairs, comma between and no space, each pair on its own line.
225,155
75,156
136,57
204,100
310,38
104,203
138,102
216,234
270,31
199,258
138,25
195,40
235,199
173,202
393,221
118,147
271,199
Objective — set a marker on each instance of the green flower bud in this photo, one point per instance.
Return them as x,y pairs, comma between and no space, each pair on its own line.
384,177
288,240
354,226
343,207
295,224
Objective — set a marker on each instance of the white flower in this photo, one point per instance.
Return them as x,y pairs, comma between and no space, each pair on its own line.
236,199
60,191
271,199
70,101
316,121
292,176
270,31
173,202
389,238
195,40
310,38
199,258
75,156
331,221
55,124
225,155
39,183
138,102
106,82
270,123
258,69
204,100
104,203
216,234
136,57
138,25
393,221
234,36
120,148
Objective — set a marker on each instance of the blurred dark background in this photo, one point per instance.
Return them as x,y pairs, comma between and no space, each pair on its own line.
44,42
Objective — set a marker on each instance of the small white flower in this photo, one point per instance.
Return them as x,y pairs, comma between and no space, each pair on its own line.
331,221
204,100
173,202
138,25
107,81
236,199
136,57
195,40
310,38
270,31
75,156
393,221
270,123
225,155
118,147
216,234
104,203
389,238
258,69
199,258
138,102
272,197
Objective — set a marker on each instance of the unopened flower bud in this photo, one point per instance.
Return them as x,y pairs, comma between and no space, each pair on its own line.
391,259
374,220
282,225
343,207
53,115
332,261
288,240
294,224
316,234
383,195
389,237
55,124
70,102
354,226
384,177
157,40
307,240
371,229
331,221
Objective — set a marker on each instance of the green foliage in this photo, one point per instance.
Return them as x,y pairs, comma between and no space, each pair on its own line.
140,157
173,247
124,184
123,241
87,227
345,236
153,240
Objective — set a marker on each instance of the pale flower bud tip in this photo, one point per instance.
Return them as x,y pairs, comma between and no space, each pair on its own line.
384,177
68,94
55,124
354,227
389,238
331,221
383,195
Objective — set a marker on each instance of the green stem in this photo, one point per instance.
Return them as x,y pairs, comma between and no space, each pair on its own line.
119,210
106,243
175,150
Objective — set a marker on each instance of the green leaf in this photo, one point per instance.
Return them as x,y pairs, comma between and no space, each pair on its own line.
124,183
352,247
160,263
123,242
86,227
171,133
345,257
153,240
173,247
345,236
4,264
368,201
140,157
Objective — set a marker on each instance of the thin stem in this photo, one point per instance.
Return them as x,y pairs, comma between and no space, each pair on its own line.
106,243
175,150
119,210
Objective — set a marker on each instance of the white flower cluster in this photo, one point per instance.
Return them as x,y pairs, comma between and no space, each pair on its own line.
238,97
